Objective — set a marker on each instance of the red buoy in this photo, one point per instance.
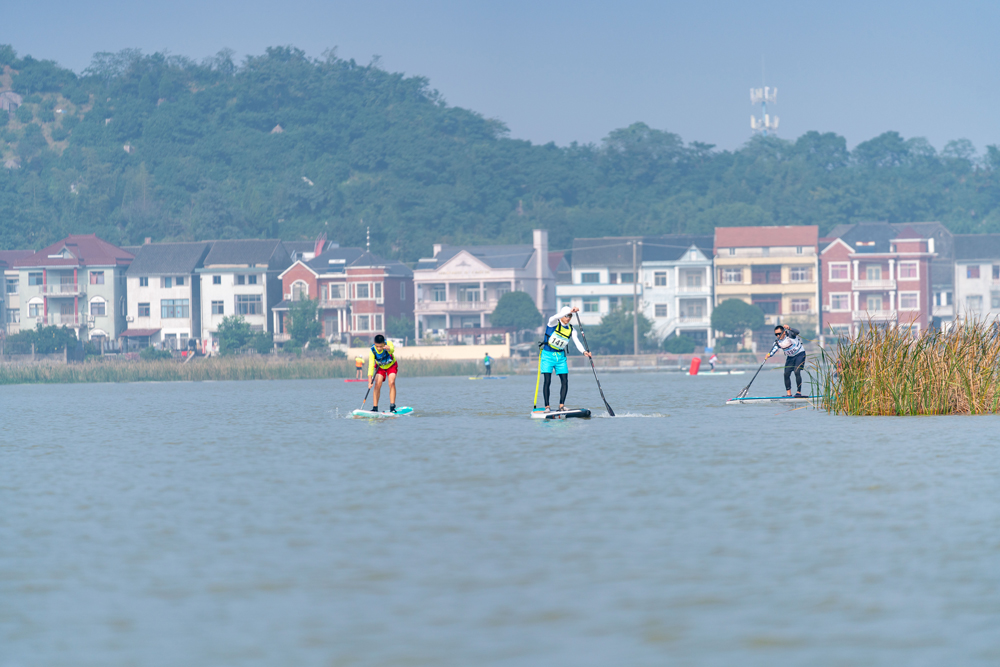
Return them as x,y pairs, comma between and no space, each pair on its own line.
695,365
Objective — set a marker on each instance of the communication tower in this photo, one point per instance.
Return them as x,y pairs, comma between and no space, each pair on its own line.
763,96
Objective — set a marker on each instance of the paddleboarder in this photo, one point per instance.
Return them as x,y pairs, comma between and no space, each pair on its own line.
552,357
382,367
359,367
487,362
787,340
712,361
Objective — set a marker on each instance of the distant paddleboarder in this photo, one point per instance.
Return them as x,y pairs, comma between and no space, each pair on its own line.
558,333
487,362
382,367
787,340
359,367
712,361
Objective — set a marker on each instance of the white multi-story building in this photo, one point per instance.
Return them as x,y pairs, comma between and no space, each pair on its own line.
977,277
10,298
459,287
603,272
676,275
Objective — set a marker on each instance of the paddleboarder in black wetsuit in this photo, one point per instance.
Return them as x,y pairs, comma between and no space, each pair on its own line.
787,340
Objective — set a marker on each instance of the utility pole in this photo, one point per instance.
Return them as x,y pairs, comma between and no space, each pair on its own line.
635,298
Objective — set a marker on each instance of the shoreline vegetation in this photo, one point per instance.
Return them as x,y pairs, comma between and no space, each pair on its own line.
888,372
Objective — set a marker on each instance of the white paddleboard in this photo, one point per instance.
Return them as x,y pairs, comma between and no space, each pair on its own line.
717,374
578,413
404,410
752,400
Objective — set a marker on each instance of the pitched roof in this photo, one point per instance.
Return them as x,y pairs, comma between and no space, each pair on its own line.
606,251
334,259
969,247
391,267
493,256
878,234
156,259
757,237
78,250
8,257
243,252
671,247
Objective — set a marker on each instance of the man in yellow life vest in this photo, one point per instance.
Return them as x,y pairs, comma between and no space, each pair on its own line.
381,367
552,357
359,367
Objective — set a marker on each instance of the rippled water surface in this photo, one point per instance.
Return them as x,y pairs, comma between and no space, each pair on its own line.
253,524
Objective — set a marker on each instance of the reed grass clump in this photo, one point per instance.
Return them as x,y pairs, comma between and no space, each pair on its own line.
890,372
211,369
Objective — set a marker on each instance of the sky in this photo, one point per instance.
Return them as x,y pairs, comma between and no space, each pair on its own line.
574,71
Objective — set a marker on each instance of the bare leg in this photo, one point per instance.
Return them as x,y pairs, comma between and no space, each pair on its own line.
378,389
392,388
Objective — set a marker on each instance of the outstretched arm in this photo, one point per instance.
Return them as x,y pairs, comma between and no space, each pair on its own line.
579,345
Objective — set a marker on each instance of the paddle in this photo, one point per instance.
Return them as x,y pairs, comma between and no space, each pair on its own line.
743,392
587,348
539,378
368,392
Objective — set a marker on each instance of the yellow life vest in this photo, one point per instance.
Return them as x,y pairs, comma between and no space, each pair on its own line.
384,360
559,338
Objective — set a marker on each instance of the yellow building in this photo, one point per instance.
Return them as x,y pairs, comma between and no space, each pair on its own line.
774,268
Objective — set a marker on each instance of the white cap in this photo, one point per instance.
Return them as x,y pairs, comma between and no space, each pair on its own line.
565,311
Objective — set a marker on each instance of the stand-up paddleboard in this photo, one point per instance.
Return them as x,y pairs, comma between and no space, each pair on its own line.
717,374
578,413
751,400
404,410
355,380
489,377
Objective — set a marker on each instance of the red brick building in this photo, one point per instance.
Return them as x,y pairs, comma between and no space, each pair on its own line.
875,273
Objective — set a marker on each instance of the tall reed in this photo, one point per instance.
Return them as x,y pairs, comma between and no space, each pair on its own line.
890,372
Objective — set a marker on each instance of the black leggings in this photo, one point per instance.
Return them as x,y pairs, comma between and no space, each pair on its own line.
795,364
563,388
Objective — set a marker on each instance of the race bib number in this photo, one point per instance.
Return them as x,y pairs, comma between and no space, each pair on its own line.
558,342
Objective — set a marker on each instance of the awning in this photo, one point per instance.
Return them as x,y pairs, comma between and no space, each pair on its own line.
139,333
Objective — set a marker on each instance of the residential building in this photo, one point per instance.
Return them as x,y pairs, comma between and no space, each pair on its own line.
78,282
458,288
774,268
164,294
678,282
358,292
876,273
240,278
603,272
977,277
10,298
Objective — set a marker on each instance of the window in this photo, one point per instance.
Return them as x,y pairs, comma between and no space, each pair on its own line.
591,304
799,274
798,250
974,303
995,300
179,281
361,292
660,279
35,278
248,304
174,308
363,322
732,276
13,315
909,300
590,278
694,280
402,292
840,271
440,294
692,309
627,278
840,301
144,281
769,303
908,271
766,275
299,291
613,278
143,310
468,293
217,308
378,322
12,286
693,255
972,272
841,330
947,298
378,295
34,310
732,251
873,302
122,306
252,279
660,310
873,273
97,277
97,308
166,282
996,272
800,305
216,280
336,291
241,280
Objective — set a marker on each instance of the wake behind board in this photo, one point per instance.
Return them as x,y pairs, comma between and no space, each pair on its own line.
362,414
753,400
489,377
578,413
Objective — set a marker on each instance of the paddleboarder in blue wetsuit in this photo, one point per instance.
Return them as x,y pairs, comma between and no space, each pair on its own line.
558,333
787,340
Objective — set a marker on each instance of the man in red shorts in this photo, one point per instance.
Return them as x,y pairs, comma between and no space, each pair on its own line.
382,367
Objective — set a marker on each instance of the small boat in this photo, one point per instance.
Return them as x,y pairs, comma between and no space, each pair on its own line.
577,413
753,400
368,414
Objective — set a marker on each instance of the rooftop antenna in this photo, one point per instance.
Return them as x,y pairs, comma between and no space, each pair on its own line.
762,96
368,239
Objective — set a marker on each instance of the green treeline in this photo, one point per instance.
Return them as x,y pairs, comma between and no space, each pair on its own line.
360,146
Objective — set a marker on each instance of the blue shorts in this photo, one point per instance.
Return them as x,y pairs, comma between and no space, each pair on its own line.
553,361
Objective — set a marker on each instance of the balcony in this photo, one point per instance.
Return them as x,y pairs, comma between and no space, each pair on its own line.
61,320
463,306
62,289
882,285
333,303
689,320
874,315
282,337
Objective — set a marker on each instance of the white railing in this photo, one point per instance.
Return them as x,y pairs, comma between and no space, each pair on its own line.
282,337
62,289
693,320
873,284
688,288
333,303
865,315
58,319
456,305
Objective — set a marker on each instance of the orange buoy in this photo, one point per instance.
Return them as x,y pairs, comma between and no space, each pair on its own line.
695,365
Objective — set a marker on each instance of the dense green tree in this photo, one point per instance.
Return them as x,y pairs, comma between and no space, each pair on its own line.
303,324
47,340
399,327
735,317
517,311
679,345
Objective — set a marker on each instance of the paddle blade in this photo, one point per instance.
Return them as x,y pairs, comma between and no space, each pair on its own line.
610,411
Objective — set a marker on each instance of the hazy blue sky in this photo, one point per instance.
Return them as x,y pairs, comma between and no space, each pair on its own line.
573,71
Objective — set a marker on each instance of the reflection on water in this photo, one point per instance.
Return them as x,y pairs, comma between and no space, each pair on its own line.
252,524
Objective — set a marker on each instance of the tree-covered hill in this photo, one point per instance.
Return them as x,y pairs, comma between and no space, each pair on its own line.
283,145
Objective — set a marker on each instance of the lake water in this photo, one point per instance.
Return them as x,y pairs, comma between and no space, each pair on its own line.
253,524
